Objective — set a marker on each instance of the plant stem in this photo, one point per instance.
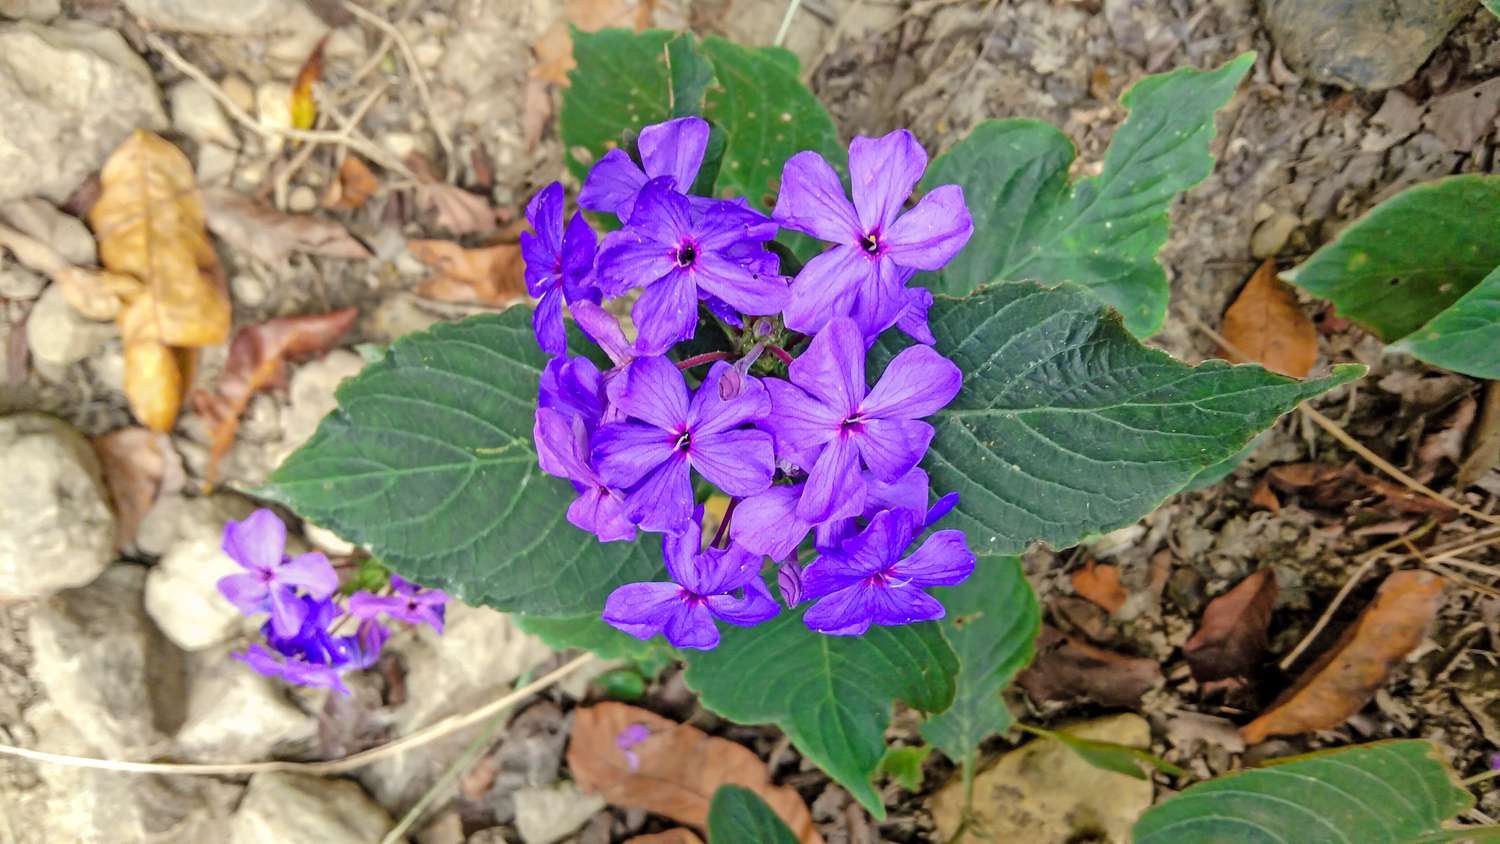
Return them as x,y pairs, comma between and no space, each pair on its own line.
780,353
699,360
1479,778
723,530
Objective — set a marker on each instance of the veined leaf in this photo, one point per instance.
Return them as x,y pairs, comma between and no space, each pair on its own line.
738,816
1109,756
1102,232
1464,337
690,76
589,633
1066,426
429,461
831,695
622,83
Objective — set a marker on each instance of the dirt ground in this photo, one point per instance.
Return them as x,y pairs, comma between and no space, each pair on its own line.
1296,161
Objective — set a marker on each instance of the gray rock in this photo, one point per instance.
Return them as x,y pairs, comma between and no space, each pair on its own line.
182,594
224,17
545,815
58,335
41,220
30,10
196,114
17,282
56,528
235,714
108,671
295,809
1370,44
69,94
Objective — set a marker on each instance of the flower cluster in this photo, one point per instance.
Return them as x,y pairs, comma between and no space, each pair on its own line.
783,423
301,596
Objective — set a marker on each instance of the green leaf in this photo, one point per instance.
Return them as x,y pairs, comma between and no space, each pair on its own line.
621,83
1107,755
429,462
1410,257
1393,792
1465,337
904,765
689,75
1101,232
1493,6
992,623
1066,426
588,633
737,815
831,695
1221,470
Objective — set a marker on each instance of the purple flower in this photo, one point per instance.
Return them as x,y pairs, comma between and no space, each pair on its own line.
573,387
673,149
558,264
867,581
716,583
272,578
292,669
563,450
411,603
876,247
603,328
824,419
675,253
629,738
313,656
650,455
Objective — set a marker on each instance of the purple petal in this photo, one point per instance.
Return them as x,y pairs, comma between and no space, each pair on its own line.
833,481
768,523
287,611
833,367
579,246
666,313
827,575
943,507
561,446
844,613
545,212
247,592
728,569
913,320
880,544
930,234
711,413
601,512
789,582
539,275
257,542
756,606
547,323
812,200
908,492
882,173
603,328
740,463
892,447
944,559
295,671
663,502
652,389
674,148
625,452
693,628
749,292
642,609
918,382
799,423
612,184
902,603
739,233
573,386
881,300
663,212
826,288
312,572
632,258
680,551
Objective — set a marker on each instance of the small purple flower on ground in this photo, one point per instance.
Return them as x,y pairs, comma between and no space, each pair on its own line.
629,738
876,247
559,261
675,253
272,578
292,669
867,581
826,421
411,603
673,149
717,583
669,432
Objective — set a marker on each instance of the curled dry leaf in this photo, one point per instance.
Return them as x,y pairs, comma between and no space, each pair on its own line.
139,466
1100,584
1232,638
491,275
672,769
304,106
96,294
1266,324
1345,678
1066,669
149,223
257,360
270,236
353,187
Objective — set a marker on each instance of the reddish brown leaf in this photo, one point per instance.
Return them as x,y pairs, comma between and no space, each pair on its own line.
677,835
491,275
257,360
1266,324
554,50
1232,638
1066,669
353,187
1344,679
1264,497
672,771
270,236
1100,584
135,462
1303,475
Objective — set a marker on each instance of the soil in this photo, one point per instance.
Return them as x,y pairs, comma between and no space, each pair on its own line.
1296,162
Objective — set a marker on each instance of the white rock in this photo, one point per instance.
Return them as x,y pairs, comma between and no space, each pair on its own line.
249,289
30,10
302,200
196,114
545,815
215,165
235,714
41,220
1271,235
106,668
182,594
226,17
56,527
58,335
273,110
327,541
295,809
17,282
311,394
69,94
240,92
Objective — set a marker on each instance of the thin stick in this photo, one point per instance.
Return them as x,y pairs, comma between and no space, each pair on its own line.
445,727
346,129
786,21
352,140
418,77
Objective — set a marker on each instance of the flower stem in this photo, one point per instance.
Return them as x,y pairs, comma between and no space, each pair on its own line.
781,354
723,530
699,360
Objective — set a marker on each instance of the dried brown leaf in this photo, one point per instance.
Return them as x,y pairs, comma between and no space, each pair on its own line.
676,835
456,210
1344,679
675,769
1264,497
1232,638
1100,584
257,360
1266,323
554,50
136,465
353,187
271,236
1484,448
491,275
1066,669
96,294
304,106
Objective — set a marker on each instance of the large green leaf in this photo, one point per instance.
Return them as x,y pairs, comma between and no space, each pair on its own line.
738,816
1066,426
622,83
429,461
1102,232
1411,256
831,695
1392,792
1465,337
992,624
